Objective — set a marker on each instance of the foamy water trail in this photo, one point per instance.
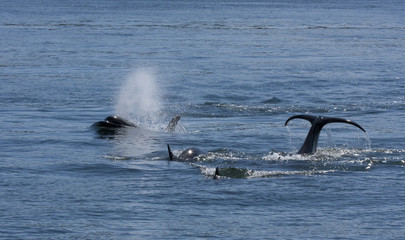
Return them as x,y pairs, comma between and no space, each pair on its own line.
139,97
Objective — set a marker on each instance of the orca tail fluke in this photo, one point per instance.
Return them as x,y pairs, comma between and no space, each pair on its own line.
310,118
341,120
173,123
171,155
322,121
317,123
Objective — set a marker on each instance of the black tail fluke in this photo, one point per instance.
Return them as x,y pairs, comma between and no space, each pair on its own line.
318,122
310,118
173,123
322,121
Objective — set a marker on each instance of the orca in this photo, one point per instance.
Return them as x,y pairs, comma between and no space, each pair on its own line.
317,122
187,155
115,122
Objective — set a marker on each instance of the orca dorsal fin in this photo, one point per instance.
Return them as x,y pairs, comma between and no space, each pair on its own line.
173,123
318,122
171,155
216,175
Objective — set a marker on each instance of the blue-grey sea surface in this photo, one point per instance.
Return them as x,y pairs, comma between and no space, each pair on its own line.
235,71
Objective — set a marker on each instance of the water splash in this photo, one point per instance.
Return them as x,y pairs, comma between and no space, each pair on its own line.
139,97
368,142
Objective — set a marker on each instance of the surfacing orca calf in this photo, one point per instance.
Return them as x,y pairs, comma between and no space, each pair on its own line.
114,122
317,123
186,155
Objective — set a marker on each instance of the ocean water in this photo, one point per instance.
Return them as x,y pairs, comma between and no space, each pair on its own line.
235,71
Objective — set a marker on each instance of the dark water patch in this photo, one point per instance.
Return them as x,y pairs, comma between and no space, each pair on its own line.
354,27
95,169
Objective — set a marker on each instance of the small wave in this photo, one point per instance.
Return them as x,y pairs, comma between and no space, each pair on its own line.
95,169
263,174
340,159
321,155
347,27
116,158
386,157
272,100
227,155
389,151
233,172
279,156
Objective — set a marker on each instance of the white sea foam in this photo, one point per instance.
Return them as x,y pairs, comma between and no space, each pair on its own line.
246,173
